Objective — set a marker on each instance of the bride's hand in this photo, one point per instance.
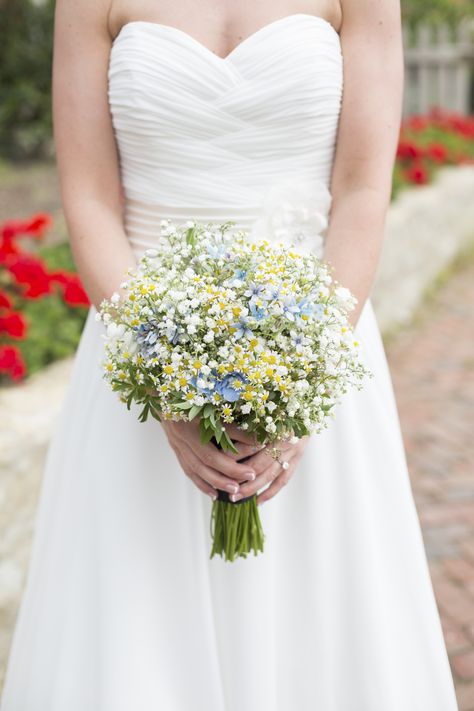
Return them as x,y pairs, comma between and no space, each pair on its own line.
206,465
269,470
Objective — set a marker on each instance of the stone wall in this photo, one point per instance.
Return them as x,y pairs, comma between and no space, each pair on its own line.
426,228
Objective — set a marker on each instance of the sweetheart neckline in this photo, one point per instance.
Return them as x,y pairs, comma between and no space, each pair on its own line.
244,42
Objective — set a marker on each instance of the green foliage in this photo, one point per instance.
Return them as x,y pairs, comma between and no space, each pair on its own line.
54,327
450,11
25,77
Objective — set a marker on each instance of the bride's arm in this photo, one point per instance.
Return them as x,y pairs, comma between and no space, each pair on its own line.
85,146
366,144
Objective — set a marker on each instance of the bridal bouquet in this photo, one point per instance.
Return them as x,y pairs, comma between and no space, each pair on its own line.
228,330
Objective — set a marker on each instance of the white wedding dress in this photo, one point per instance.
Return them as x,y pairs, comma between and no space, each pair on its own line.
123,609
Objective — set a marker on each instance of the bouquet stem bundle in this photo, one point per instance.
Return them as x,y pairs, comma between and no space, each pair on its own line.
236,529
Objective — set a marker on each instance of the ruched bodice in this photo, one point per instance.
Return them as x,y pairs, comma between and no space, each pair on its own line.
209,137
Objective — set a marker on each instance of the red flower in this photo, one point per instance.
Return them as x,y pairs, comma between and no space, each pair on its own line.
74,293
417,123
60,277
35,226
407,150
437,152
5,300
417,173
31,273
11,362
7,248
38,224
14,324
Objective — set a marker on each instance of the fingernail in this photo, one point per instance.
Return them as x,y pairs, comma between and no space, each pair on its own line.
236,497
232,488
213,496
250,475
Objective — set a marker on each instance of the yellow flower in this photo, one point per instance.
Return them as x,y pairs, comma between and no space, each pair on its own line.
168,369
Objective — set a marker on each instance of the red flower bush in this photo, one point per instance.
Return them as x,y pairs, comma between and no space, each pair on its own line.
430,141
24,276
11,362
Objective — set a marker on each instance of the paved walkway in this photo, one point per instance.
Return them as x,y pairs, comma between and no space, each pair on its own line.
432,366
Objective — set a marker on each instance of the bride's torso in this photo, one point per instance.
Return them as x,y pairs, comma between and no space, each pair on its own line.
248,136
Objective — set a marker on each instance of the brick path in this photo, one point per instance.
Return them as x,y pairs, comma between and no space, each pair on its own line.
432,366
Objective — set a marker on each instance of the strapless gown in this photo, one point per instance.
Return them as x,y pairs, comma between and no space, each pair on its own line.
123,609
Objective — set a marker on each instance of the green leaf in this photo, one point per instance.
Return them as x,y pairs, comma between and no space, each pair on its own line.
208,410
206,434
227,444
184,405
194,411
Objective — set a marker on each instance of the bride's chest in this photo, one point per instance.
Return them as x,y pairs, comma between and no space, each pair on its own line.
284,71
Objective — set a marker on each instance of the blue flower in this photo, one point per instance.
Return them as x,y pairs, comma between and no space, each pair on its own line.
147,334
231,386
242,328
239,277
254,291
271,293
257,312
204,390
290,308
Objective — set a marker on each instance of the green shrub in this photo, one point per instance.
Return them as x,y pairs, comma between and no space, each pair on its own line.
25,78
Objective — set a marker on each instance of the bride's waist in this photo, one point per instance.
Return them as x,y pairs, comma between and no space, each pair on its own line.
142,220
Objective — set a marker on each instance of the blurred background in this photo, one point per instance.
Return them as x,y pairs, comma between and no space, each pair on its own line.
423,296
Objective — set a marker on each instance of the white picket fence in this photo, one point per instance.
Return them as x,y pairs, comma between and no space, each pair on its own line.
439,67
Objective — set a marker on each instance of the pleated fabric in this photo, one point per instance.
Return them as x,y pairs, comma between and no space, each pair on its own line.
123,610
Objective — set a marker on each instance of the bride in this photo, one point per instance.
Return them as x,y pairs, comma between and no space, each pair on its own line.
284,117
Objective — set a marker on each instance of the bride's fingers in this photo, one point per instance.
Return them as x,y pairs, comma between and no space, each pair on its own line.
269,474
276,485
260,461
203,485
213,477
244,450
